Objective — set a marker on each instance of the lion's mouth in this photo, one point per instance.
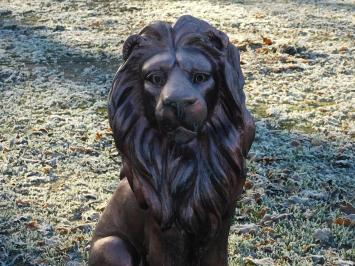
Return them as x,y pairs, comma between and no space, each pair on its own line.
182,135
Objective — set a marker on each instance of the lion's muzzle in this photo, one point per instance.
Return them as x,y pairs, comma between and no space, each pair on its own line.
181,108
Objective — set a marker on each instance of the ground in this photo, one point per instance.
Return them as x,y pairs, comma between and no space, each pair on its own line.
58,164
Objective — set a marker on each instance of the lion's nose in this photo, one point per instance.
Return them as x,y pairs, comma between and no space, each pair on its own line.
178,103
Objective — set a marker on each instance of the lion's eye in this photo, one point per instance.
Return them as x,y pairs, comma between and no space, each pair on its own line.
156,78
200,77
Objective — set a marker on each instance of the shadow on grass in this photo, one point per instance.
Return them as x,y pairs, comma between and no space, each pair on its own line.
32,46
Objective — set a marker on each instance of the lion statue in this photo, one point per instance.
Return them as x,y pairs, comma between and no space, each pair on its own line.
178,116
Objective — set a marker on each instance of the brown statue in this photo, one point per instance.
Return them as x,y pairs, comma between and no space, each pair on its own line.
178,115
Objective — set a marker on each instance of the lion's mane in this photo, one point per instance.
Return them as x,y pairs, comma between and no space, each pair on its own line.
193,185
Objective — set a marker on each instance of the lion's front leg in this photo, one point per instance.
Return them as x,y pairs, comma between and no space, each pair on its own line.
120,231
216,256
113,251
167,247
216,252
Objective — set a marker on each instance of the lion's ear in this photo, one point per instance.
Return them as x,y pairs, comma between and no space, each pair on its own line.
232,72
218,39
128,46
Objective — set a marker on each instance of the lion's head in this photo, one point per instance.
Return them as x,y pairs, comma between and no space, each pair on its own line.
178,115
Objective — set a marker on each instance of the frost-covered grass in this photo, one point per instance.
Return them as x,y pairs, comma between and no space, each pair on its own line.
58,164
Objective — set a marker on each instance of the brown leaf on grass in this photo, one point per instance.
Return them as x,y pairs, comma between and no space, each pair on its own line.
98,136
267,41
245,44
248,184
259,15
344,221
79,238
96,24
268,229
46,169
23,203
63,230
32,225
343,49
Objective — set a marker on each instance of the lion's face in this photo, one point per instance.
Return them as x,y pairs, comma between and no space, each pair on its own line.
182,82
179,90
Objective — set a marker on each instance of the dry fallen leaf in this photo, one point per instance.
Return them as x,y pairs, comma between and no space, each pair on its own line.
343,221
248,184
46,169
79,238
32,225
267,41
343,49
62,230
96,24
268,229
259,15
98,136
